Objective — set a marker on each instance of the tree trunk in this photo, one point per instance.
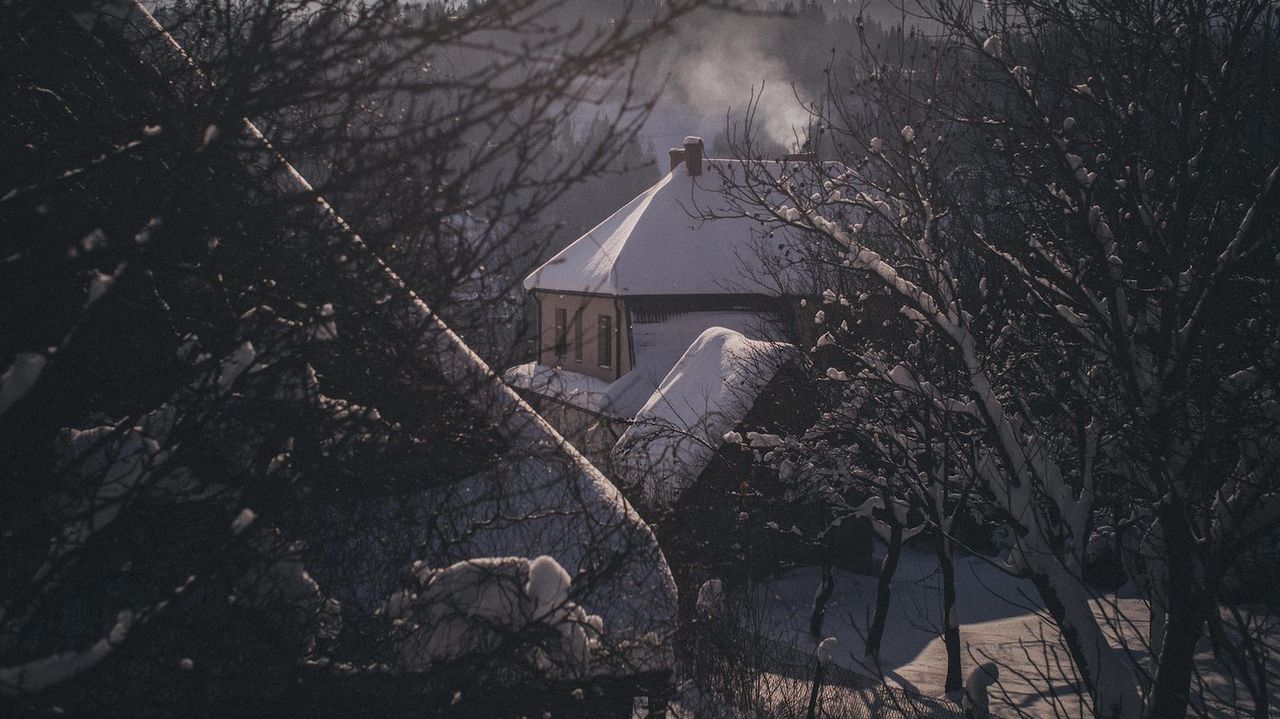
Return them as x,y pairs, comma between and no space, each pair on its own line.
884,586
820,600
1187,606
818,675
950,622
1109,681
1153,582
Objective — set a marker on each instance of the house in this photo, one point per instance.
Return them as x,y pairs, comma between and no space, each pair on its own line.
619,307
670,325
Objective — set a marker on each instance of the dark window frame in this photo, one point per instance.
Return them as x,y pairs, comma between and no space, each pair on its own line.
577,337
604,341
562,330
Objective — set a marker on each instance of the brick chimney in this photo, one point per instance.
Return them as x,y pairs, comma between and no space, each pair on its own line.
693,155
677,157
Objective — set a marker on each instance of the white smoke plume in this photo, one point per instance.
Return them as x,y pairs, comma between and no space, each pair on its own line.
719,76
712,67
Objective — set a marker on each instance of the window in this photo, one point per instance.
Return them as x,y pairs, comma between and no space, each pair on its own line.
562,326
577,336
604,340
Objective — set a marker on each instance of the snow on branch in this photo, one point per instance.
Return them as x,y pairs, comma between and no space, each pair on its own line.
21,376
40,674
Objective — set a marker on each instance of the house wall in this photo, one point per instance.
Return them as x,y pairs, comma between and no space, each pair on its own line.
590,308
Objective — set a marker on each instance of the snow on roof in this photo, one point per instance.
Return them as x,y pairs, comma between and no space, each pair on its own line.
658,346
660,243
472,607
530,504
708,393
579,390
545,498
542,498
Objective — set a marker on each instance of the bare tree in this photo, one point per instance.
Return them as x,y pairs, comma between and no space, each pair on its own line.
885,451
1076,202
232,430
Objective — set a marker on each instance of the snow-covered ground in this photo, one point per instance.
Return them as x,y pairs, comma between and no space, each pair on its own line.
1002,620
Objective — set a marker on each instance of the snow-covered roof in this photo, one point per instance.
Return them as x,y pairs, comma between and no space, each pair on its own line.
532,503
542,498
658,346
659,243
708,393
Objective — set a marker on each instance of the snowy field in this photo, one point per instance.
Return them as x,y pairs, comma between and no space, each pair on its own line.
1002,620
